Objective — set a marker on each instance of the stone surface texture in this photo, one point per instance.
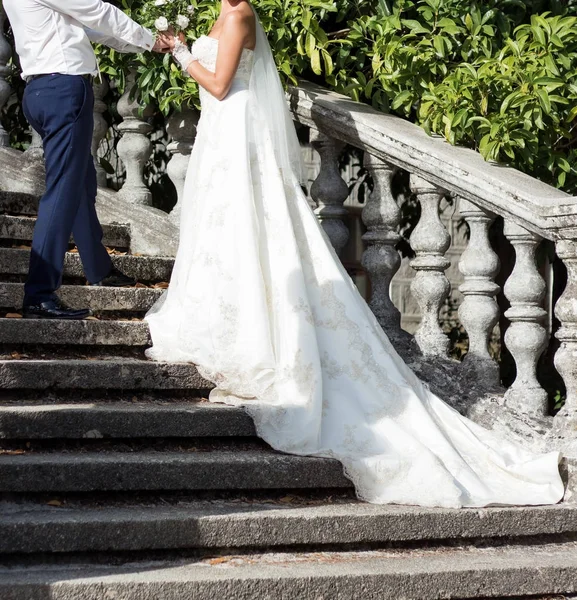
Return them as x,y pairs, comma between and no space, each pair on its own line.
122,420
129,300
32,527
167,470
462,572
72,333
114,373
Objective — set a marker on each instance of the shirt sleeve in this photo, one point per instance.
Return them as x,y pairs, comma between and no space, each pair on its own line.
112,42
105,19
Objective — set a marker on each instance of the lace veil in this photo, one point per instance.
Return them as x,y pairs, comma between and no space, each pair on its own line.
265,83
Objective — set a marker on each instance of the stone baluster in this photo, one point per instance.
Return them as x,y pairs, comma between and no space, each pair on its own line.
5,89
382,217
181,127
100,127
479,264
134,147
329,190
526,337
35,152
566,355
430,241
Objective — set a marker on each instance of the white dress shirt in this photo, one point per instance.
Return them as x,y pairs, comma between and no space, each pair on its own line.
53,36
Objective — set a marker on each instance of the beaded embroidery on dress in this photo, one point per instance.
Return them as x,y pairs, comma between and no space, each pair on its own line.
260,302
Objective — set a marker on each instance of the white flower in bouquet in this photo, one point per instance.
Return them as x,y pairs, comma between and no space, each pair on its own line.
182,21
159,2
161,23
190,9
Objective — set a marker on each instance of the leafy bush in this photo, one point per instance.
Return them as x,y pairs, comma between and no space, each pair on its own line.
499,76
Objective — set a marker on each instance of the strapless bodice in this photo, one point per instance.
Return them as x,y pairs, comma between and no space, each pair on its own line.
205,50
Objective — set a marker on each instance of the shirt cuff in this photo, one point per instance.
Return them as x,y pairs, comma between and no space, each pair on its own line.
148,39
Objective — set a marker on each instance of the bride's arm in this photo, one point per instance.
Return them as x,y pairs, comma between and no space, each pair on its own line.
236,31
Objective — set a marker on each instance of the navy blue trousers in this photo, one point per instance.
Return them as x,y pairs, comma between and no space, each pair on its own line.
60,108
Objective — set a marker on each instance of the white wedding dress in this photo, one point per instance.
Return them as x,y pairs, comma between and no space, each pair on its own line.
261,304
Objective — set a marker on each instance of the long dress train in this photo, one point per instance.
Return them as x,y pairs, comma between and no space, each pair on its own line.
259,301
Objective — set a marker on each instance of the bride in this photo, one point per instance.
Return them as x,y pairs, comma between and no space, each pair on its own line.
261,304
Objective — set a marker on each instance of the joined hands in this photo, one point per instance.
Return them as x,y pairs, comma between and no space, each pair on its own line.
160,45
168,39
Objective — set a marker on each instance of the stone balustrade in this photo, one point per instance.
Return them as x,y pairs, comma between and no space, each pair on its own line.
531,212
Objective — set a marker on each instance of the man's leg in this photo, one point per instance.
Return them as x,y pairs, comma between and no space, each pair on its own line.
87,232
60,108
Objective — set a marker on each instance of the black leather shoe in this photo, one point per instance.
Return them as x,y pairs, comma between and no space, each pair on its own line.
53,309
116,278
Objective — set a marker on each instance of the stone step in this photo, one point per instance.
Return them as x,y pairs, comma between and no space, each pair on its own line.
114,373
21,229
422,574
34,528
18,203
122,420
91,471
98,299
61,332
14,261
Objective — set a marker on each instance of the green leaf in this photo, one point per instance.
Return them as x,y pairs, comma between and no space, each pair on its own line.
544,100
401,99
316,61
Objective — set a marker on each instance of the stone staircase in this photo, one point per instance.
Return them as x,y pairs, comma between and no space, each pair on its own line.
119,480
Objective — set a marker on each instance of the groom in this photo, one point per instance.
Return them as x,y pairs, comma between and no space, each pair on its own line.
58,63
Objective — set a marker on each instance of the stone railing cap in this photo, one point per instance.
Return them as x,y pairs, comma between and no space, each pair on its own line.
503,190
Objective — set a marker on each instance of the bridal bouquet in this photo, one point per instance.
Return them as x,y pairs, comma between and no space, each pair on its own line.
170,14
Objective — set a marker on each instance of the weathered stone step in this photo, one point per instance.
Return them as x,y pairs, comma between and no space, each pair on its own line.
424,574
115,373
18,203
14,261
37,528
123,420
145,470
61,332
21,229
98,299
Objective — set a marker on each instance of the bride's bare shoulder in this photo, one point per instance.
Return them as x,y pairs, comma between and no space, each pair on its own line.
241,22
242,16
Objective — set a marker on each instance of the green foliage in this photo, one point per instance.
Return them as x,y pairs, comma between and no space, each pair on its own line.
499,76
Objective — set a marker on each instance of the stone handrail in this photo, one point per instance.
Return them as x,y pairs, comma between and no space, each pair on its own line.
503,190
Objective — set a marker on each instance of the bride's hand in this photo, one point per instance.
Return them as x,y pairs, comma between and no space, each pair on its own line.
168,38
